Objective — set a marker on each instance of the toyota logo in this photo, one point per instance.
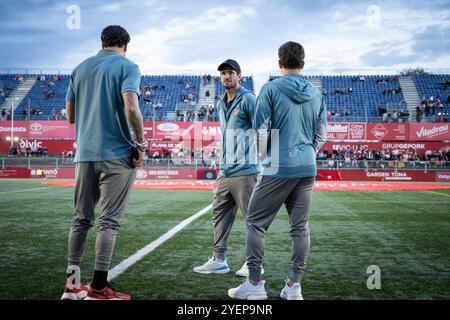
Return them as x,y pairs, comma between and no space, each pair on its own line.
36,126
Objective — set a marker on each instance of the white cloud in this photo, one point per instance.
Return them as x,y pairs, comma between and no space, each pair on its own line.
153,48
193,39
115,7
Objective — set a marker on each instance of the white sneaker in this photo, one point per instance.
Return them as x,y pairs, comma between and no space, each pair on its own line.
243,271
247,291
213,266
292,293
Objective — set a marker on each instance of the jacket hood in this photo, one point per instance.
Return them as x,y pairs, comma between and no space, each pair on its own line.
239,93
296,88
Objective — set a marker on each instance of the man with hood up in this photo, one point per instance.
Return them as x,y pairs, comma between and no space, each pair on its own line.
290,118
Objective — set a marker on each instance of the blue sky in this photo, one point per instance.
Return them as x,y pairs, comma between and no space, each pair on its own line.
174,37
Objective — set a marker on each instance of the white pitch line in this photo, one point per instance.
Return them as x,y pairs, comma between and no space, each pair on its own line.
128,262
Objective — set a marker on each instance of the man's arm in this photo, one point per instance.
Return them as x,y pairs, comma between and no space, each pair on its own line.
320,135
134,117
70,111
262,123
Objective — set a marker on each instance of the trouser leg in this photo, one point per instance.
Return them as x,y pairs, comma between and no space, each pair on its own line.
116,178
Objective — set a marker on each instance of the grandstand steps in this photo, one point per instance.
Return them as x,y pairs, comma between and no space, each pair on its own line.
317,82
19,93
203,100
410,94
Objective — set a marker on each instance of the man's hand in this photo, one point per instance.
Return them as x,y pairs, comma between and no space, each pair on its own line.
139,162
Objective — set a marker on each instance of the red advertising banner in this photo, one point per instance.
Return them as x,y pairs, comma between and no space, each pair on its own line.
20,129
329,175
385,175
421,147
429,131
443,176
182,131
388,131
192,173
346,131
53,146
14,173
61,173
166,173
210,131
38,129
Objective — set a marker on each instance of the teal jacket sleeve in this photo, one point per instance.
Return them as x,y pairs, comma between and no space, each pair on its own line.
262,122
320,135
249,106
263,110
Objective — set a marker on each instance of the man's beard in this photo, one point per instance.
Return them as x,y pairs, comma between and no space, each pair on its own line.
230,86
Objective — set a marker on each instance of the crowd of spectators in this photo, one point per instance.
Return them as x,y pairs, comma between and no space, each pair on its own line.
29,151
431,106
394,115
197,113
361,156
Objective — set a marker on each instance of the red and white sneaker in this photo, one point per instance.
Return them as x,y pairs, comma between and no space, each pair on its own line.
75,294
106,294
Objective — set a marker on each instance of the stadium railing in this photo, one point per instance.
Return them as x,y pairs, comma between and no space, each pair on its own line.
329,164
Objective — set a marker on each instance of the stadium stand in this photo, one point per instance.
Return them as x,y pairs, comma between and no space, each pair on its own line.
434,96
361,96
193,97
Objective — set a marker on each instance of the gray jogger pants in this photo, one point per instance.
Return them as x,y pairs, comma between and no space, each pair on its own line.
108,182
229,195
267,198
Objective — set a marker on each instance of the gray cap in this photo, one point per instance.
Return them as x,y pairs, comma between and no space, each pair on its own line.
231,64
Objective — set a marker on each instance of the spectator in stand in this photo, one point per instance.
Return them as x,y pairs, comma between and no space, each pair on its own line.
404,115
394,116
54,113
12,151
428,155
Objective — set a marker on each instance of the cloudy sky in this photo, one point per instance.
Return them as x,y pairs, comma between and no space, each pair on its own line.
175,37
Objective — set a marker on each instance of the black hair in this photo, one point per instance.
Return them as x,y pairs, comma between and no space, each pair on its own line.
291,55
114,36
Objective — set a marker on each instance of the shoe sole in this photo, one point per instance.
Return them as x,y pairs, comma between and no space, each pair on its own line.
284,296
213,271
245,274
250,297
74,296
95,299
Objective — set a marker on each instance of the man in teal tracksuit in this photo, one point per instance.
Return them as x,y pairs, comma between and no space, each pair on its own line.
238,164
292,111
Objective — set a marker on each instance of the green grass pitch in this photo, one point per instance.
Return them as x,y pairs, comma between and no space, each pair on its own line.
405,233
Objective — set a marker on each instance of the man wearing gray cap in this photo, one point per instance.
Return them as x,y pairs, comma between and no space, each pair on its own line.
238,164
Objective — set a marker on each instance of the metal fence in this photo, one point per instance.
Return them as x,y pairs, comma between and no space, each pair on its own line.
187,162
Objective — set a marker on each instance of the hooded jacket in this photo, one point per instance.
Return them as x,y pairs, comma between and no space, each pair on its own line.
238,144
291,119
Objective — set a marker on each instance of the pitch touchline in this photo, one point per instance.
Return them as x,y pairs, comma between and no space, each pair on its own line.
24,190
441,194
125,264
